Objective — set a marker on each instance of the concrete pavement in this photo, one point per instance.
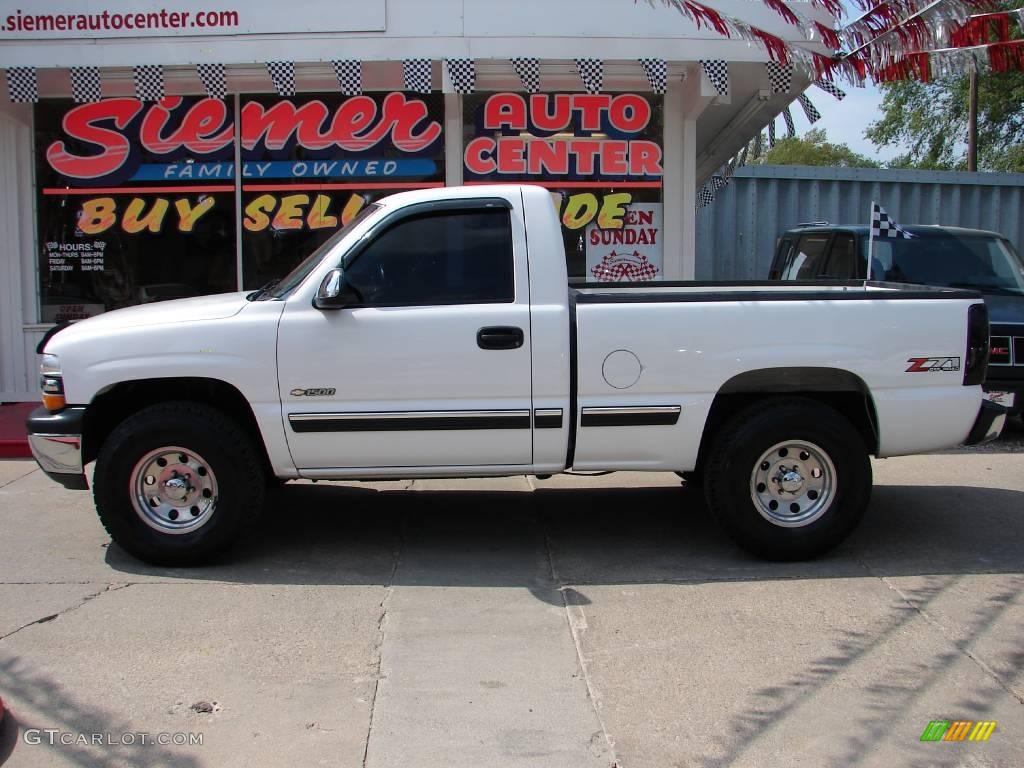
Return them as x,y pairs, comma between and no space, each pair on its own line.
568,622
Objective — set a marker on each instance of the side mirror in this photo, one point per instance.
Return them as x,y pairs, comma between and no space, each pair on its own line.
331,294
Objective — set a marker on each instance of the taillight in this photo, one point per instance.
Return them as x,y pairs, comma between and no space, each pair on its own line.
977,345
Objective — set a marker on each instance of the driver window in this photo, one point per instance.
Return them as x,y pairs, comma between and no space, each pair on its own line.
842,262
810,254
462,257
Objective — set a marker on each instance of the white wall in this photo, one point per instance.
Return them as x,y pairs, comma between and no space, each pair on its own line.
17,249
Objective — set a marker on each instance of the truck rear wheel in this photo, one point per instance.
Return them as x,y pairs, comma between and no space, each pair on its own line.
788,479
177,482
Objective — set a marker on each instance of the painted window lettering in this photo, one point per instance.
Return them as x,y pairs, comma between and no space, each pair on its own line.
150,186
206,128
539,154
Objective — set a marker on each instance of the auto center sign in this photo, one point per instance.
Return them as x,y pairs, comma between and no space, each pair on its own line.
66,19
596,136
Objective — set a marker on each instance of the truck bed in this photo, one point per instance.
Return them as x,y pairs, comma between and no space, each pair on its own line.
762,290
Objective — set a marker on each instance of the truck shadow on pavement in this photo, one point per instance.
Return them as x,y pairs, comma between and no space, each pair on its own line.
555,541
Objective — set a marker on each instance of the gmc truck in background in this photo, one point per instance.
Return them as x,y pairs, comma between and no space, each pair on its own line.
948,257
436,336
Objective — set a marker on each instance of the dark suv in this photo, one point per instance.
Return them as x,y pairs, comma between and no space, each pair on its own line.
946,256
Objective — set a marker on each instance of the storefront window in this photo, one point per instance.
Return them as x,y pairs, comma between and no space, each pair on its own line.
312,162
601,157
135,203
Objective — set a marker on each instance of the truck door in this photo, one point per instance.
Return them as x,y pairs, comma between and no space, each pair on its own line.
428,365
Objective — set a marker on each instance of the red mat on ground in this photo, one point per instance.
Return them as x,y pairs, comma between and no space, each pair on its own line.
13,437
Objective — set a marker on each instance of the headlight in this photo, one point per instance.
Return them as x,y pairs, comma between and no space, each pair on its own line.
51,382
50,365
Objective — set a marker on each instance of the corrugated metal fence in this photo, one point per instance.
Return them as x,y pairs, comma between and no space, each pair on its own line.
736,233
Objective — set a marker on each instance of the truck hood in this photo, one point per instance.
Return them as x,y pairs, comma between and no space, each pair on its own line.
160,313
176,311
1004,309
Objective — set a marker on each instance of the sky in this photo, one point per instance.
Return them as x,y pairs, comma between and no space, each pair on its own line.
845,121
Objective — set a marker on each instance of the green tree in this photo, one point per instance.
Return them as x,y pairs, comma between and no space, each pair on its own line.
931,119
813,149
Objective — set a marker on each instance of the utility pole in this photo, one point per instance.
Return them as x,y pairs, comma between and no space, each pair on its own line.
972,119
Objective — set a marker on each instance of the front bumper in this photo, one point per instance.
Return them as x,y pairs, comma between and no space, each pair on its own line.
56,443
988,425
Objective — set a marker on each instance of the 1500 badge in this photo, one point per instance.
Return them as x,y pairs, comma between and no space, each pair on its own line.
314,392
933,364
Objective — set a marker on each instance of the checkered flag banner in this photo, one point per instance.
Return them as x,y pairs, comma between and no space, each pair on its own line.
883,226
759,144
812,114
149,82
790,126
717,71
282,75
657,74
22,85
350,76
462,73
780,76
214,82
85,84
529,73
417,75
741,158
771,133
707,193
591,73
831,88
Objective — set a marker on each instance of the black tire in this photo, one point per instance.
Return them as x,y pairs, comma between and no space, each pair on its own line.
741,502
230,465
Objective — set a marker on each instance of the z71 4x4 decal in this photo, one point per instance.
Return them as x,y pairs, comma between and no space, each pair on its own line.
933,364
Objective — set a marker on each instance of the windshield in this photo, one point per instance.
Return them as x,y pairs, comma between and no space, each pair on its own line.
281,288
980,262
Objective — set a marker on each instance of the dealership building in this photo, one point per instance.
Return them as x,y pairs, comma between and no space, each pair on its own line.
151,153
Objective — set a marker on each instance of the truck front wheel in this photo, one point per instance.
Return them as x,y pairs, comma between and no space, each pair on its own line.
788,479
177,482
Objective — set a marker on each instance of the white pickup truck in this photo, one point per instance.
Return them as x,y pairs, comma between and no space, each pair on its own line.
436,336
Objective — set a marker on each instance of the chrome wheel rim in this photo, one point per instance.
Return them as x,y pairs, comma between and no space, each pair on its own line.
173,490
793,483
